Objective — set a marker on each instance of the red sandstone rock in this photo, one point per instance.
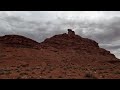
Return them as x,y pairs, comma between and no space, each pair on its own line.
70,32
17,41
64,56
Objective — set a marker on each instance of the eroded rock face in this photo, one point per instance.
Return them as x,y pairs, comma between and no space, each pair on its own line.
70,40
62,56
75,42
71,33
61,42
17,41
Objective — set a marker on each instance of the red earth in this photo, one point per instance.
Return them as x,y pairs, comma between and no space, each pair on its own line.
63,56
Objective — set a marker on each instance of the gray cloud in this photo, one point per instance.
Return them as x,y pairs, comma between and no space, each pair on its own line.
104,31
114,47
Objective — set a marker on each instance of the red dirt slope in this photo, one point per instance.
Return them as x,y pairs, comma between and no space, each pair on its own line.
64,56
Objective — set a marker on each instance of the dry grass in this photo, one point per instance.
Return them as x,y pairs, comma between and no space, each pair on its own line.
89,75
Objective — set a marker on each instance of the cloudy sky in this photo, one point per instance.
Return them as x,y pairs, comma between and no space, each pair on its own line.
101,26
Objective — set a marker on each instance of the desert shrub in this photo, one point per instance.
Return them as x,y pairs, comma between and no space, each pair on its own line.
22,74
50,77
18,77
90,75
18,67
60,77
2,71
117,72
33,72
26,65
17,70
1,56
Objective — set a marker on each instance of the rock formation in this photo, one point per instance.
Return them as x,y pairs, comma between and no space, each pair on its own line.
17,41
71,33
68,56
81,45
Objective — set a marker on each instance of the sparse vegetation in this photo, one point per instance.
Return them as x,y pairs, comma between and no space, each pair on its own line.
18,67
2,55
50,77
2,72
25,65
22,74
17,70
60,77
89,75
57,58
33,72
117,72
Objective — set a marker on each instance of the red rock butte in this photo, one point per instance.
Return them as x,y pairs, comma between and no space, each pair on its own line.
63,56
71,33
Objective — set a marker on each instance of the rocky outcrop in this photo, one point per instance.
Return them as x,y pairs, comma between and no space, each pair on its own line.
65,56
68,41
60,42
71,33
17,41
75,42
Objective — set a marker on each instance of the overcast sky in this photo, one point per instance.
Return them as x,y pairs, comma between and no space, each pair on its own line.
101,26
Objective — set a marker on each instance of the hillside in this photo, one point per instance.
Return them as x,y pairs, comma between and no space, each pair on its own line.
63,56
17,41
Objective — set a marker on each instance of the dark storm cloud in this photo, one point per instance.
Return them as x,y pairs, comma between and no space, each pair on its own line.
36,30
111,47
111,31
19,26
104,32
